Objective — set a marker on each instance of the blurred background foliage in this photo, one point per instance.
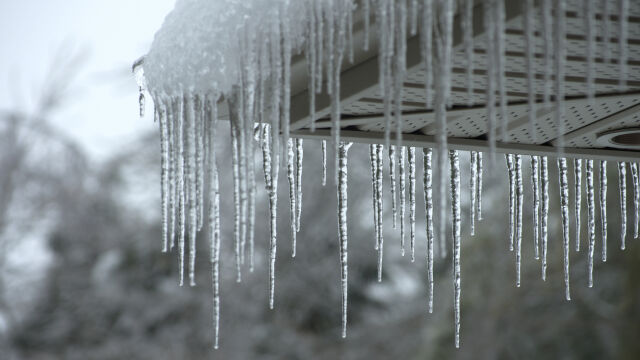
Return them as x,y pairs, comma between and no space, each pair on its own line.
82,275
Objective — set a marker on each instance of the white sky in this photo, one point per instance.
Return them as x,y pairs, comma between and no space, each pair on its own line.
101,113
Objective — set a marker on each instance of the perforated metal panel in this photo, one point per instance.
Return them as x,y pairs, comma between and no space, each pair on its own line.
364,112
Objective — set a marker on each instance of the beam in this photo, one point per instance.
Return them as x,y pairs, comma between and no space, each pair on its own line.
416,140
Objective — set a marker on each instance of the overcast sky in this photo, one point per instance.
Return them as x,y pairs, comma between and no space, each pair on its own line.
102,115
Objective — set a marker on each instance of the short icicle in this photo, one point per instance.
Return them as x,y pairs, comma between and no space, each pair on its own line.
299,162
412,201
473,186
402,175
622,188
603,207
292,193
394,184
535,182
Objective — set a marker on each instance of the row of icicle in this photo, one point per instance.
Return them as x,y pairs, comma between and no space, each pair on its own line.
259,109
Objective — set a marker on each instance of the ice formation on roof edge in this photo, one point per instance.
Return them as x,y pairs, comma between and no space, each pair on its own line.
240,52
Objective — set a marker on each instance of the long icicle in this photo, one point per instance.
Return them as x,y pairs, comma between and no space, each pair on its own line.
544,174
235,159
161,114
455,215
577,174
173,182
181,189
191,183
379,186
412,201
535,182
636,197
214,221
512,198
428,202
622,187
403,195
564,208
342,228
591,219
518,220
603,207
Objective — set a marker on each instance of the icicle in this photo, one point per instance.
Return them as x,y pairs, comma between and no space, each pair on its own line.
479,182
403,198
500,70
292,194
181,188
455,215
379,168
367,18
273,204
342,229
636,197
374,189
544,174
512,198
559,16
428,202
299,159
235,160
535,182
214,222
589,26
426,51
518,220
443,86
199,162
312,59
171,119
603,207
622,187
591,218
138,72
489,20
623,24
577,173
467,26
192,181
324,162
394,184
531,71
161,113
473,186
547,32
335,63
564,208
414,17
412,201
